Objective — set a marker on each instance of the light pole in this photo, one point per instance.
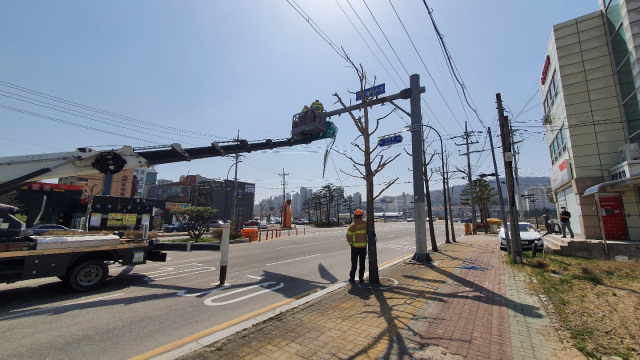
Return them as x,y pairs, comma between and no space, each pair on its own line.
444,184
226,191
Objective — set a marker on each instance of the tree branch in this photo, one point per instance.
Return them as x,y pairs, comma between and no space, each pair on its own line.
388,185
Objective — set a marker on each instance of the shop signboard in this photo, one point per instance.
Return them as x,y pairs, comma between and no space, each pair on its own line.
176,206
114,220
129,219
95,220
560,175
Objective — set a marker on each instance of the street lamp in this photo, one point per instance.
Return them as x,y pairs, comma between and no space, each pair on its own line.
444,185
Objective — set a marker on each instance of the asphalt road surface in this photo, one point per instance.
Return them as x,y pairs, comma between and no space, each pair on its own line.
139,309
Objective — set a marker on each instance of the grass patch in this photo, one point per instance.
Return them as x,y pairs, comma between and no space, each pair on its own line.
597,301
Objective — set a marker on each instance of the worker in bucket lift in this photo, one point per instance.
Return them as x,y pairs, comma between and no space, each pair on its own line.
317,105
357,239
303,119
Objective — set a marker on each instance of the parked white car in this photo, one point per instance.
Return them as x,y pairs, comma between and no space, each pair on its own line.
528,236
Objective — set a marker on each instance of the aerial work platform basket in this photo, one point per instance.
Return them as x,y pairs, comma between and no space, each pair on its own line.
312,121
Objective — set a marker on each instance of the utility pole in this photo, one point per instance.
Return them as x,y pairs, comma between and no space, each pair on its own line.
499,186
421,255
284,195
515,169
516,245
445,179
234,216
468,154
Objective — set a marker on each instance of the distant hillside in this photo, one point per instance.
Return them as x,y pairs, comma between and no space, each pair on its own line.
525,182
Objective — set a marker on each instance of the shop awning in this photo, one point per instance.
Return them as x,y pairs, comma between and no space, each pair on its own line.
612,185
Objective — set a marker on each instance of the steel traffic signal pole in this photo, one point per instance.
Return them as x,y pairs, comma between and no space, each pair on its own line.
421,255
516,246
499,186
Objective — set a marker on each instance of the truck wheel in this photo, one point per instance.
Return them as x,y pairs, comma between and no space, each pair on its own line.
88,275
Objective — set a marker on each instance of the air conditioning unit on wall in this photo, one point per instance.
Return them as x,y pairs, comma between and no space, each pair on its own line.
630,152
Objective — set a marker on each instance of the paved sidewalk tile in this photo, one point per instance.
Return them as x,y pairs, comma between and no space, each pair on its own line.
433,312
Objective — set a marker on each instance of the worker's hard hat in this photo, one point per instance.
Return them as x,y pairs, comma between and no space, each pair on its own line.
358,213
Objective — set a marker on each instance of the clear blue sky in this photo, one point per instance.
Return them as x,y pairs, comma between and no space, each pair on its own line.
215,67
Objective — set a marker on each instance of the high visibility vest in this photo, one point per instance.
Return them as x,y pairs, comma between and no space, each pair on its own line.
357,234
305,109
317,104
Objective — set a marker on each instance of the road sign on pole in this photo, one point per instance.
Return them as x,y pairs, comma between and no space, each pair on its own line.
390,140
371,92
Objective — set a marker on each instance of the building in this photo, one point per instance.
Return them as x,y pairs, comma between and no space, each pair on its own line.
404,202
146,178
57,202
119,185
218,194
588,90
539,195
357,200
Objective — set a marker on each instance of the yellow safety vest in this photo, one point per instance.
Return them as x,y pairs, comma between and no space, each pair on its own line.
357,234
317,104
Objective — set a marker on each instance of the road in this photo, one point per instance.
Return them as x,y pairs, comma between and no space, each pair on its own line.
139,309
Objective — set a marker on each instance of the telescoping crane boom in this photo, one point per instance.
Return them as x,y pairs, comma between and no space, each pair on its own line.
17,171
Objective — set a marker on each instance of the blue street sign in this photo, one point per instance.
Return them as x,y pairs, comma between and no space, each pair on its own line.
391,140
371,92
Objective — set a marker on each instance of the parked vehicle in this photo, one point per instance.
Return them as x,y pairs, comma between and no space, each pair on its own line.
528,236
456,220
81,261
42,229
467,220
215,224
252,223
333,220
411,219
179,227
263,225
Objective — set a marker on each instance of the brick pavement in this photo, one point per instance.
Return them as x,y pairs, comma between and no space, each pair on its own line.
432,312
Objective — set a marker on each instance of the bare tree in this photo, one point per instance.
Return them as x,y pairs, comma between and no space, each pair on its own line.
372,164
91,193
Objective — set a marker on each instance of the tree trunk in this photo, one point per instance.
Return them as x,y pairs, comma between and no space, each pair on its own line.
374,277
432,231
453,233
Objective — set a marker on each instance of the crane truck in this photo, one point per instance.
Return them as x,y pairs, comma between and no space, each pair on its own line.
82,260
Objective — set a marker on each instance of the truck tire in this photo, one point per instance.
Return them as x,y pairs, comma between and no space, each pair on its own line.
88,275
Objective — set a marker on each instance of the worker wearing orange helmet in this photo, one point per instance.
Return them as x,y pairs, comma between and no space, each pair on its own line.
357,239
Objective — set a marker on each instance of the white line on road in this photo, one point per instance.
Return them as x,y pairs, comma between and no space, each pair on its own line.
300,258
148,278
255,277
210,302
24,313
292,246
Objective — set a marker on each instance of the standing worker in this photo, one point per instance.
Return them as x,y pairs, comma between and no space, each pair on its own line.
546,217
357,239
565,222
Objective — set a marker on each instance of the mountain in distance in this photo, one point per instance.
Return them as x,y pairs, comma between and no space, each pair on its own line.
525,182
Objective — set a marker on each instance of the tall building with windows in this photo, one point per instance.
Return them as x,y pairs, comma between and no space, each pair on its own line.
588,88
146,178
118,185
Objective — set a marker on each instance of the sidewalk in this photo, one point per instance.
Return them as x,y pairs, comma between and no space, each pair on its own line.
446,311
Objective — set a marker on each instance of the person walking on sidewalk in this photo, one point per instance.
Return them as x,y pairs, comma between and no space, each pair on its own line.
546,217
565,222
357,239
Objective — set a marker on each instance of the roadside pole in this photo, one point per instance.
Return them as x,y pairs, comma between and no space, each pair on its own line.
499,186
421,255
516,245
224,253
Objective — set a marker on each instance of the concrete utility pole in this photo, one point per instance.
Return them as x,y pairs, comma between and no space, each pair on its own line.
499,186
235,192
516,245
515,169
284,194
421,255
468,154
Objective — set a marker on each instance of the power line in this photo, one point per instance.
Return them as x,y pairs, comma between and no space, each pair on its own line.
66,122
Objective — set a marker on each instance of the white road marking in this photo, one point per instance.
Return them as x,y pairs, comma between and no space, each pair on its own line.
170,268
184,292
292,246
206,268
210,302
255,277
24,313
300,258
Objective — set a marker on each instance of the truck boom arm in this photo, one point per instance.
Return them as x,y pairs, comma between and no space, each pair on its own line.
17,171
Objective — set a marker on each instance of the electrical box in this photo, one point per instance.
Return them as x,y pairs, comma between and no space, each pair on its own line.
630,152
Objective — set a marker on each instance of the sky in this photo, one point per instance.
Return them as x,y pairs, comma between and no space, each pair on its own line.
107,74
